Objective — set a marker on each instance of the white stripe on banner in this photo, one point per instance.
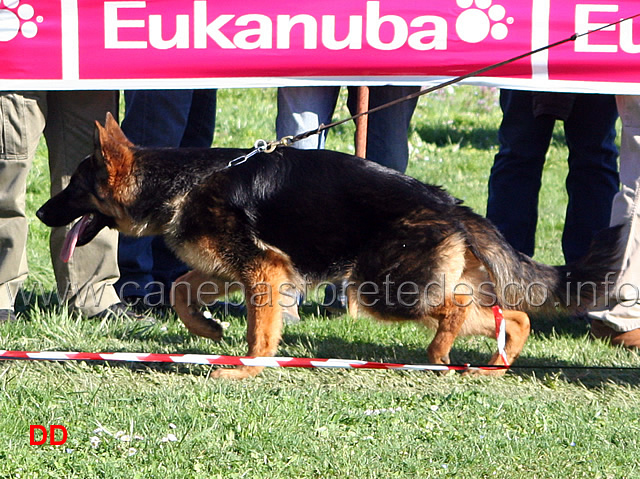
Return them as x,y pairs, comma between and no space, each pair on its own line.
53,355
540,18
194,358
261,361
336,363
70,42
131,357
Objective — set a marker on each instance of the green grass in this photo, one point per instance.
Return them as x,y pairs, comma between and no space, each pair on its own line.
533,423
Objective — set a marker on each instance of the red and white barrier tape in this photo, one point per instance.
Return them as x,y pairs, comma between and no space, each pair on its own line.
270,362
500,333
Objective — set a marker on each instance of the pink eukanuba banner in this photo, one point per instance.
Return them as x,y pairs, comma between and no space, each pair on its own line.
177,43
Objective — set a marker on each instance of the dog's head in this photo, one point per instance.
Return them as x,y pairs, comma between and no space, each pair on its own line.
97,192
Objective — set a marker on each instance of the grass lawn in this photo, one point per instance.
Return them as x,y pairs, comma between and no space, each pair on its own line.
552,419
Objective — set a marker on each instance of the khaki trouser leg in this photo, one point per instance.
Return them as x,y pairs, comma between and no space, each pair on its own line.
624,315
86,281
21,124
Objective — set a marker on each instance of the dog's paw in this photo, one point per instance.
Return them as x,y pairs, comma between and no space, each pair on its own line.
485,372
241,372
444,359
205,325
496,360
218,325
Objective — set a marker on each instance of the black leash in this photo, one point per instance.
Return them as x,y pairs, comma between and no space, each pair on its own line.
289,140
268,147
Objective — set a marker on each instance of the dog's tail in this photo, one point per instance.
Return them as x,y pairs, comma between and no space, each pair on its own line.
523,284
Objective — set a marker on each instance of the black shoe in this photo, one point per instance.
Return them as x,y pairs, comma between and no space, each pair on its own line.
7,315
121,310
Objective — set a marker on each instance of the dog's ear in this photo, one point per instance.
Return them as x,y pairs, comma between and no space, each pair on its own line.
112,127
98,133
113,149
110,133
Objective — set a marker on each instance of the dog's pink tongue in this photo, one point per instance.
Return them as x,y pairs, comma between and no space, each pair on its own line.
71,239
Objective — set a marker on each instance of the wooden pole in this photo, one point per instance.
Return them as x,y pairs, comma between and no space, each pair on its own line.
362,121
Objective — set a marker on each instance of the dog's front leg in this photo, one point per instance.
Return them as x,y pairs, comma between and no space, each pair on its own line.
265,285
186,295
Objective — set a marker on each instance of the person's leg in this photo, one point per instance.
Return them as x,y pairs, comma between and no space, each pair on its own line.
86,281
302,109
21,124
620,320
153,118
198,132
387,131
156,118
201,121
514,182
135,261
593,180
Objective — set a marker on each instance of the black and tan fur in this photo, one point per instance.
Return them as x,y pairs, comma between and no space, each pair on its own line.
292,214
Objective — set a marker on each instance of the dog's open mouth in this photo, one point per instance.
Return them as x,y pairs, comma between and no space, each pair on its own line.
71,240
85,229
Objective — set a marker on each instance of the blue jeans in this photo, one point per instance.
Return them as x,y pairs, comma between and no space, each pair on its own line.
301,109
591,183
160,118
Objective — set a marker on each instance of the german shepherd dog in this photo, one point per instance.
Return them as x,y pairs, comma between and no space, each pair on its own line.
408,250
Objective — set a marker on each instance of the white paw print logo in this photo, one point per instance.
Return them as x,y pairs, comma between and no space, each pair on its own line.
475,24
16,18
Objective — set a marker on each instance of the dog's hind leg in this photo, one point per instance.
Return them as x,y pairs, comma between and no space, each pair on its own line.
266,281
517,329
186,294
451,317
